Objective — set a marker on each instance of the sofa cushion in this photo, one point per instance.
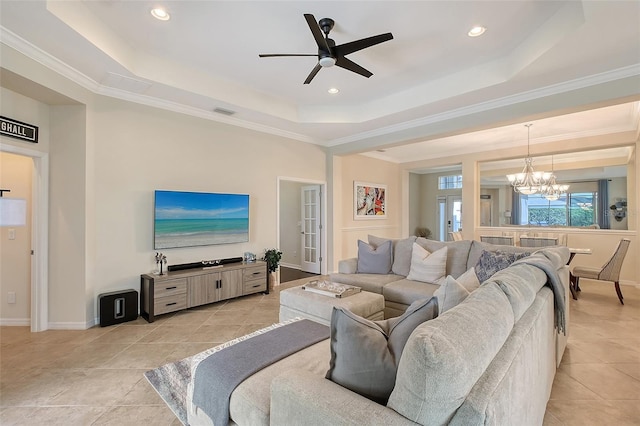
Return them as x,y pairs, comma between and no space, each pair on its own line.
428,267
250,402
368,282
365,354
457,254
374,260
445,357
406,291
477,247
453,291
520,283
491,262
401,253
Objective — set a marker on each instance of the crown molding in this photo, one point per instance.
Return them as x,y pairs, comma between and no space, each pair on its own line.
36,54
581,83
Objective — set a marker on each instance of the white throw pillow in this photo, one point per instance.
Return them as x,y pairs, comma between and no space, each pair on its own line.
450,294
469,280
428,267
453,291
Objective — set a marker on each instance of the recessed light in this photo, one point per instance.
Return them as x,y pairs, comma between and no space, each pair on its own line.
160,13
333,90
476,31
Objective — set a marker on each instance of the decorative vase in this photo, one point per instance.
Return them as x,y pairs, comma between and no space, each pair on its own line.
273,280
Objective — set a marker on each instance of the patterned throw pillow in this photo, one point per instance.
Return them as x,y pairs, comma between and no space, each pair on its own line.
428,267
491,262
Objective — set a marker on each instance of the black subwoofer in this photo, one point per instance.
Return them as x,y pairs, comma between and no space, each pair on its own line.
117,307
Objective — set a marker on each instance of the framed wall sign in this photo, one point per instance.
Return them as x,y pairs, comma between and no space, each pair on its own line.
18,130
369,201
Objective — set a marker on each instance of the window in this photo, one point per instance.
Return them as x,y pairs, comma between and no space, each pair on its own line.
572,209
450,182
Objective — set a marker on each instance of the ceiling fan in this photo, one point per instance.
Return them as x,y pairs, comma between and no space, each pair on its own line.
328,53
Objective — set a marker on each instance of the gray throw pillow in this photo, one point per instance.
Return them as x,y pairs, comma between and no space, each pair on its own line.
401,252
374,260
491,262
365,354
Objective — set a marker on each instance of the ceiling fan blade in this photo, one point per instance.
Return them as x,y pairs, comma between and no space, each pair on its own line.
354,46
317,32
272,55
347,64
313,73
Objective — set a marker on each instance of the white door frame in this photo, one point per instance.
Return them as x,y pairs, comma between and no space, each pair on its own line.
323,215
39,235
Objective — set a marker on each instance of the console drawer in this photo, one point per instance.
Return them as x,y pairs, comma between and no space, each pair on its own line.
254,286
254,273
170,288
176,302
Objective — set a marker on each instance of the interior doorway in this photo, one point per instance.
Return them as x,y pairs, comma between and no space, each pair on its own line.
301,218
39,235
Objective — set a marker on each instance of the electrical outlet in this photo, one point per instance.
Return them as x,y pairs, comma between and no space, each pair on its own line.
12,234
11,297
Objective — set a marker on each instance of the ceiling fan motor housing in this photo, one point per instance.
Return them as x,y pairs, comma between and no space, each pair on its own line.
326,25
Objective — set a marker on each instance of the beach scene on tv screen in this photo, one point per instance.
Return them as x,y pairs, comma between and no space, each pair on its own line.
188,219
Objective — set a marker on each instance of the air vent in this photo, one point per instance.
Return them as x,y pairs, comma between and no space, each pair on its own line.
224,111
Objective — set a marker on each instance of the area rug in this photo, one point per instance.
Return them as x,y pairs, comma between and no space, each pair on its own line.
171,380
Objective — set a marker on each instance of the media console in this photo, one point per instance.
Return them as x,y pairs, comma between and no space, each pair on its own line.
183,289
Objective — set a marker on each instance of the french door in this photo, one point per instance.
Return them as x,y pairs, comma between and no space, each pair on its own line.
449,213
311,229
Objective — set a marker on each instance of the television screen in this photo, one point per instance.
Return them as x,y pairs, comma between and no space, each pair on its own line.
188,219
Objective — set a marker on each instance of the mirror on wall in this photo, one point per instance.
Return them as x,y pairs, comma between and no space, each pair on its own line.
596,198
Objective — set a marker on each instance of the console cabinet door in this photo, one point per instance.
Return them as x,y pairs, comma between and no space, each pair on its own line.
202,289
231,284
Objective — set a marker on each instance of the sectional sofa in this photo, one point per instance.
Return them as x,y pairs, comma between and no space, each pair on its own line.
491,359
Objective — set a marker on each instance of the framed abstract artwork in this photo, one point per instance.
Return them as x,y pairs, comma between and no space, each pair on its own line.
369,201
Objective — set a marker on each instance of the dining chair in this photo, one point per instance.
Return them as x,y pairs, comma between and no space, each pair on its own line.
537,242
456,236
500,240
610,271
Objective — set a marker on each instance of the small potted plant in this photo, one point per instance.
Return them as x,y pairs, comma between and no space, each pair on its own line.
272,257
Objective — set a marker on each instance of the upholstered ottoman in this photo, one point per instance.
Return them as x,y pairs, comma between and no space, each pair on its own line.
296,302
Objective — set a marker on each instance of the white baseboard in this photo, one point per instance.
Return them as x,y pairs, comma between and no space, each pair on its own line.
15,322
67,326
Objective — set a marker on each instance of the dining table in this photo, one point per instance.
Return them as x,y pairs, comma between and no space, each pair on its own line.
573,284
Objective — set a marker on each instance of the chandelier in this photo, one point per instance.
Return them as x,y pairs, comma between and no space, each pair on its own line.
529,181
552,190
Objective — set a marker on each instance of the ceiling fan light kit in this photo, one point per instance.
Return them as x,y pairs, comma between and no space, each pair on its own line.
328,53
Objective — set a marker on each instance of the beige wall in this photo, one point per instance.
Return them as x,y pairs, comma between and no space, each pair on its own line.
106,159
348,231
139,149
15,258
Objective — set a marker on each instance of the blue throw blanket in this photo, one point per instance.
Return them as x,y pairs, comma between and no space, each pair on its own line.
218,375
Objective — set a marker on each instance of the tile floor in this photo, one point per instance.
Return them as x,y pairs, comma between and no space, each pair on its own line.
94,377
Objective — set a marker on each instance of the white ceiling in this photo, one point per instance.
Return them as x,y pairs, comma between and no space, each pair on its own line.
431,81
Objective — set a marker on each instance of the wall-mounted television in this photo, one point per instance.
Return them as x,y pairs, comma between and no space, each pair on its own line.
189,219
